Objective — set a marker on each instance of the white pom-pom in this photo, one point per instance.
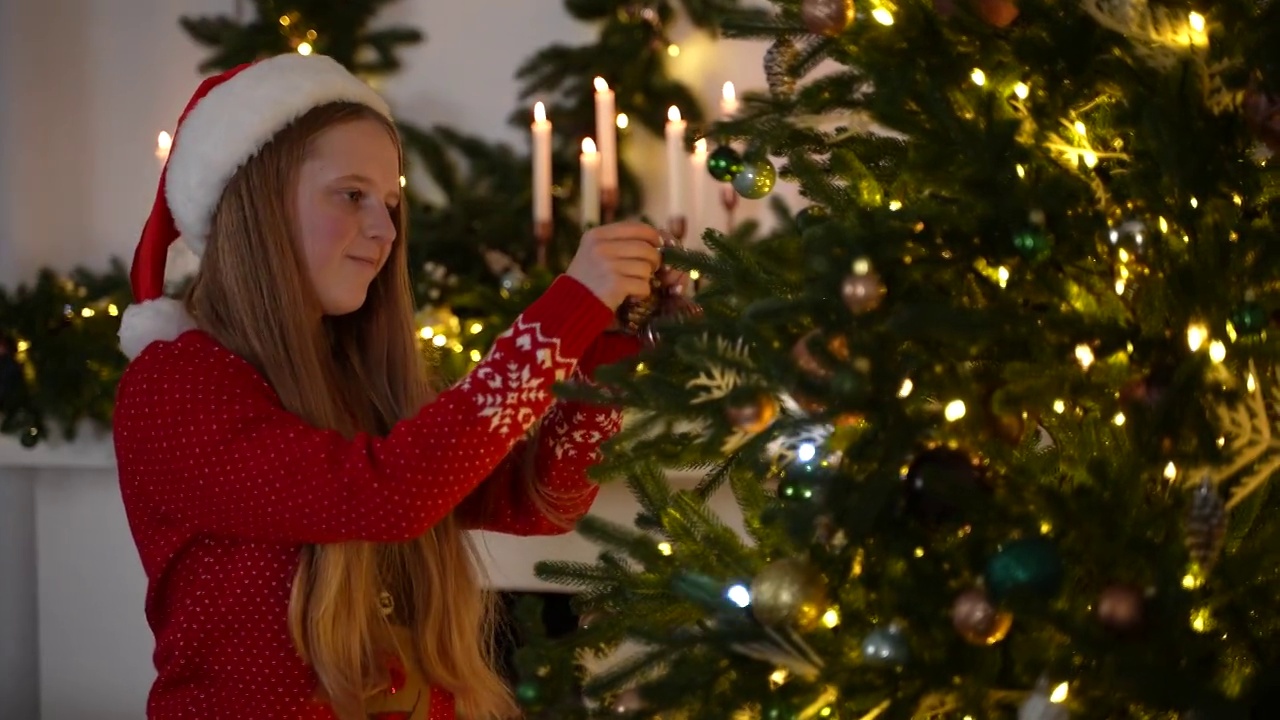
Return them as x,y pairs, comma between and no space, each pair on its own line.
154,320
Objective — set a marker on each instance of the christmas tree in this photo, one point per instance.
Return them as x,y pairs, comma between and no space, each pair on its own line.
998,406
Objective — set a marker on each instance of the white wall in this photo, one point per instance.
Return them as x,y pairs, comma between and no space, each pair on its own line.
85,86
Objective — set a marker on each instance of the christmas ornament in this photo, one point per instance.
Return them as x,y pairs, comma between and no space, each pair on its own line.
724,163
786,59
998,13
1043,704
886,646
789,592
1150,389
827,17
513,280
805,483
977,620
1033,244
753,417
1031,564
808,361
779,709
941,482
1130,236
863,291
627,702
756,178
1206,525
1250,318
1120,608
528,692
1262,116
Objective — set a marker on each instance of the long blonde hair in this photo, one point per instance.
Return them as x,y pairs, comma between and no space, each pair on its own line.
361,372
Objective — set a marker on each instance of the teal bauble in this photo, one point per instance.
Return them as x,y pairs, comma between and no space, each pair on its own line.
756,179
1249,319
528,692
1028,565
724,163
1033,244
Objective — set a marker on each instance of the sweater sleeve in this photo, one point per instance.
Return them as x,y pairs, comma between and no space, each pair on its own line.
203,443
565,447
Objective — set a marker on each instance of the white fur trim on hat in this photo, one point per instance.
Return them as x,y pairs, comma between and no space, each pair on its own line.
237,118
147,322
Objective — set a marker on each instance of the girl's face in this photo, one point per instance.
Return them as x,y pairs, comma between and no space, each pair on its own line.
348,191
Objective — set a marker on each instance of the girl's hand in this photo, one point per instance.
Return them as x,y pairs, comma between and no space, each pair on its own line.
616,261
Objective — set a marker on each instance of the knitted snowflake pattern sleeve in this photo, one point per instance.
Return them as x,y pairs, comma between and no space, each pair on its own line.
204,445
565,447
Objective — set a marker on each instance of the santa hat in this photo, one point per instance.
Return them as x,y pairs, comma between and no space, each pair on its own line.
228,120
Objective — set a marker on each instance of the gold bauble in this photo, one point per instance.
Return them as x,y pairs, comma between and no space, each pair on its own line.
789,592
977,620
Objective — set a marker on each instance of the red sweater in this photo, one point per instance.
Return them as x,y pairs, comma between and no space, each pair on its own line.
223,486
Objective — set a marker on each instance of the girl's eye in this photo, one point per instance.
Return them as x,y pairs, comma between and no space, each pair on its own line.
354,196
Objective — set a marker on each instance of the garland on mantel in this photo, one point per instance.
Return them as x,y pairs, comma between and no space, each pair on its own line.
471,253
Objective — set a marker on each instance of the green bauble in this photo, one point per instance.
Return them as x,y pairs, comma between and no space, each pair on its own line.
724,163
528,692
779,710
1249,319
756,179
30,438
1033,244
1032,564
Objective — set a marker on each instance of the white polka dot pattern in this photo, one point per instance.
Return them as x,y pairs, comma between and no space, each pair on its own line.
222,487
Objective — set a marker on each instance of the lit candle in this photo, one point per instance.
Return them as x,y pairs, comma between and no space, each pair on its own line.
541,165
697,191
607,135
728,101
590,162
164,141
677,164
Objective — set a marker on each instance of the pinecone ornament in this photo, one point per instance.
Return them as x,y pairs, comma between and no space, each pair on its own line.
1206,525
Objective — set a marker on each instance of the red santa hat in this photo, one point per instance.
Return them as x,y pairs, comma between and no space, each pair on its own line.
228,120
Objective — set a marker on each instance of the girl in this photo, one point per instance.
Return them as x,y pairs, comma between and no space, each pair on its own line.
298,495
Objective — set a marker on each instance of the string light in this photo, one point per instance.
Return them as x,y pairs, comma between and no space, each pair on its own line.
1059,406
1084,354
979,78
882,16
665,548
954,411
673,50
1170,472
1022,90
1196,20
304,48
623,121
906,389
1059,694
1196,335
1217,351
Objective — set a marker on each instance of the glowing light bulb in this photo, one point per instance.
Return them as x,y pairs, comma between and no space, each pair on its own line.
979,78
1059,406
906,389
665,548
1084,354
1196,335
304,48
1196,20
673,50
623,121
1022,90
882,16
1217,351
954,411
1059,694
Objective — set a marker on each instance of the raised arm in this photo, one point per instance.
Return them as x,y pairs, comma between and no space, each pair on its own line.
554,463
203,442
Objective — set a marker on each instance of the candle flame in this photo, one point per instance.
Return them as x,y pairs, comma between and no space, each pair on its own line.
601,85
728,92
700,146
540,112
673,114
164,141
588,146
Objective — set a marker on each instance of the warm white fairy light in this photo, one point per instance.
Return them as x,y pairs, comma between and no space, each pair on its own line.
882,16
1196,335
979,78
1084,354
304,48
1196,20
954,411
907,387
1217,351
1059,694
